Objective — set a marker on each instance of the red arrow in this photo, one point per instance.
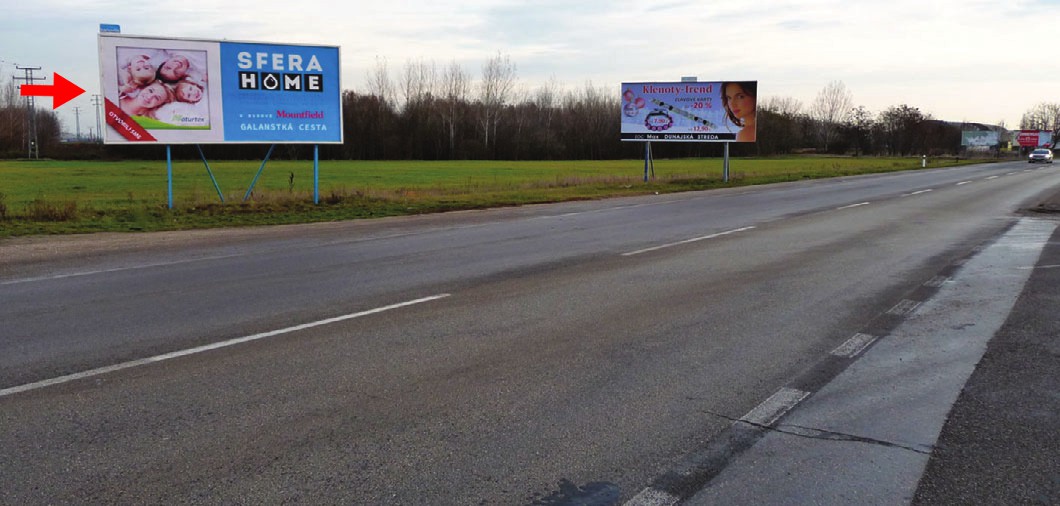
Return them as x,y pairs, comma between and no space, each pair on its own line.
61,92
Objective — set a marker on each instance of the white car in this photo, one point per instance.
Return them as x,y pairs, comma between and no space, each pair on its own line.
1041,155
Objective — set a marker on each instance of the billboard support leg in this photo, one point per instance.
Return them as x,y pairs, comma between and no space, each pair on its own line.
725,175
260,170
169,174
316,173
647,159
210,172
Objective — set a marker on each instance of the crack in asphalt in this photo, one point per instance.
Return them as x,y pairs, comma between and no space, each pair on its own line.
827,435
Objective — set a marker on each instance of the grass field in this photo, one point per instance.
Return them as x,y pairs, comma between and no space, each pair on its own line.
50,197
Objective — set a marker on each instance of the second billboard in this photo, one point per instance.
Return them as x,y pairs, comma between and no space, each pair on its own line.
722,111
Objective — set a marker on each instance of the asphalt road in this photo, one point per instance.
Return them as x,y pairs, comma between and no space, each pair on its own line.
557,354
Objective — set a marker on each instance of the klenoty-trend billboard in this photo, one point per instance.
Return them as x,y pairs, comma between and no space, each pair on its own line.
722,111
183,91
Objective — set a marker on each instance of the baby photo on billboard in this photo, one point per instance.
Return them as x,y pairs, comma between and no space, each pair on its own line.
164,88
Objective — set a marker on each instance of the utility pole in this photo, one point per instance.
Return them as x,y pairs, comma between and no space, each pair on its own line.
31,113
96,103
77,122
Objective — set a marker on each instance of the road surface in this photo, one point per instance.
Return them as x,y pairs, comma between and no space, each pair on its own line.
594,352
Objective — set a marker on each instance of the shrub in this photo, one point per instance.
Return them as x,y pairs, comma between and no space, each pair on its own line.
42,210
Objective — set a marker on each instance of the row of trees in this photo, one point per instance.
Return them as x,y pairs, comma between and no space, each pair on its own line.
833,125
434,112
15,124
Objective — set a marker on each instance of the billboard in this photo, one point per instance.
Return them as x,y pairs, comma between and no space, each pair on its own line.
183,91
1034,138
980,138
720,111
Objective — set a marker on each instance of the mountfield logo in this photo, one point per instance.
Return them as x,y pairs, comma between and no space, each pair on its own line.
300,114
279,72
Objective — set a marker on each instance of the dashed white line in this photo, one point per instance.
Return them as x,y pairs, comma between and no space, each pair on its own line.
853,346
687,241
115,269
937,281
918,192
653,497
992,177
851,206
771,409
963,183
209,347
903,308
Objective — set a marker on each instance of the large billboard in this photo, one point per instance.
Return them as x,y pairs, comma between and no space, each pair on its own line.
183,91
722,111
1034,138
980,138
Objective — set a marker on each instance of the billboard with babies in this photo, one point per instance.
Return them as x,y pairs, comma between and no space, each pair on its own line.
183,91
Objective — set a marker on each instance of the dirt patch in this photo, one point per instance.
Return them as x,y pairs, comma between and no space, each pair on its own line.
1050,205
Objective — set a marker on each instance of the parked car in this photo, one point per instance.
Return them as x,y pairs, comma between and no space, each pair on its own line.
1041,155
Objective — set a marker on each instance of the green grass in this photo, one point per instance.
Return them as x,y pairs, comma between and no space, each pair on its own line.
52,197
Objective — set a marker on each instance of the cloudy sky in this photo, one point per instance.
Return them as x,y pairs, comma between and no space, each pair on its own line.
960,60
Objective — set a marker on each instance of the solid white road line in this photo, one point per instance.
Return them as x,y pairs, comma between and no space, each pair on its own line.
199,349
686,241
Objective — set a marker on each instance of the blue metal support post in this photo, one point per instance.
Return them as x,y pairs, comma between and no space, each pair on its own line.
260,169
169,174
210,172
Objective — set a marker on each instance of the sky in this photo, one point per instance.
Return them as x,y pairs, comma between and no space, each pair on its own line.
958,60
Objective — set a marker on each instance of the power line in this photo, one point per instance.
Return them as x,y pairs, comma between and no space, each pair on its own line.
77,119
32,146
97,101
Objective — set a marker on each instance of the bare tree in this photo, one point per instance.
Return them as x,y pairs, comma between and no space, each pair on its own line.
379,83
1044,116
418,81
454,88
860,124
831,109
498,81
782,106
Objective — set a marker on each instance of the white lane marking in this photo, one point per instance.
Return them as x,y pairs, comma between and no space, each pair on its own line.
903,308
771,409
918,192
851,206
963,183
687,241
115,269
937,281
208,347
653,497
992,177
1012,173
853,346
1040,267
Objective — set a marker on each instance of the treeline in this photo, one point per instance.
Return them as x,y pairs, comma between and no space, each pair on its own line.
14,125
442,113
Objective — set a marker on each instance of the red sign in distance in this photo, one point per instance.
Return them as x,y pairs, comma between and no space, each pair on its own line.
61,92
